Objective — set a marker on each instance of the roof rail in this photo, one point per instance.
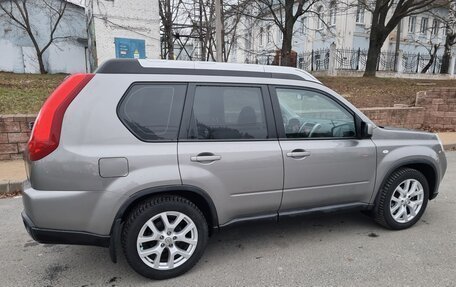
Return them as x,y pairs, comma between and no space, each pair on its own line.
134,66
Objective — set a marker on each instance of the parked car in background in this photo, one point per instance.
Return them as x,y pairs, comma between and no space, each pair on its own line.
159,154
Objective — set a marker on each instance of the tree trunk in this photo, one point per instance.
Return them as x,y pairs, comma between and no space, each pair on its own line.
428,65
375,45
39,57
431,60
445,68
285,53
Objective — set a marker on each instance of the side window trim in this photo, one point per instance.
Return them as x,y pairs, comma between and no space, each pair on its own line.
188,106
279,120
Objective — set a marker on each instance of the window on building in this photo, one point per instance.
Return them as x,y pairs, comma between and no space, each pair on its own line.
332,13
424,25
412,24
435,27
268,34
360,13
261,36
303,25
320,18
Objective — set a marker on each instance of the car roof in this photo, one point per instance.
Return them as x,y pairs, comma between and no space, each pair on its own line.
147,66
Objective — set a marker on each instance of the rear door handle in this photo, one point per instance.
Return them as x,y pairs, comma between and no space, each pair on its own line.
205,157
298,153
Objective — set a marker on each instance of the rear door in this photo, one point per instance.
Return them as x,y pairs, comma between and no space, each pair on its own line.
325,161
228,147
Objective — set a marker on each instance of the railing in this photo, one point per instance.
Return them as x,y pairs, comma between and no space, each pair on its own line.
355,60
316,60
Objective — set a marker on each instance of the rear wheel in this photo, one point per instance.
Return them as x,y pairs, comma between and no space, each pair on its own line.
402,200
164,237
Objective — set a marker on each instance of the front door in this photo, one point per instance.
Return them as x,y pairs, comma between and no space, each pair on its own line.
229,149
325,161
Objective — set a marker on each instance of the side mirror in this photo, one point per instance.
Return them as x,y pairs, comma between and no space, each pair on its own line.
367,130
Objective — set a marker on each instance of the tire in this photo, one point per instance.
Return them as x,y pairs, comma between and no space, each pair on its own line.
389,211
186,241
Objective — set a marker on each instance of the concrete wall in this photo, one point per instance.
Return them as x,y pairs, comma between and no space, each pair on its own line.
126,19
66,55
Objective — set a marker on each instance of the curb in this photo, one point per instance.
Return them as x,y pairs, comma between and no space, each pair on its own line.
10,186
449,147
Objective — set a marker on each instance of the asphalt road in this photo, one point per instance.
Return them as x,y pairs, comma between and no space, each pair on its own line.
330,250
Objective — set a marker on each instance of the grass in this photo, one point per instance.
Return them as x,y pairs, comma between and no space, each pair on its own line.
25,93
381,92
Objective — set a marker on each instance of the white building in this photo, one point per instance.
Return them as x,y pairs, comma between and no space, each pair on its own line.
344,24
124,29
118,28
66,55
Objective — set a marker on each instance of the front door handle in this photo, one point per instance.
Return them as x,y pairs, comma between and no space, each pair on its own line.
298,153
205,157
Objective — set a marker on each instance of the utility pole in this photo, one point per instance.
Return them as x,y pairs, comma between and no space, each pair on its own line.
218,30
203,45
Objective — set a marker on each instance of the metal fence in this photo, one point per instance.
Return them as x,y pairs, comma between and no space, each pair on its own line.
316,60
355,60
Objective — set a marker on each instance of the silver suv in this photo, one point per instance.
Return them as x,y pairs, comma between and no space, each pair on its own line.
156,155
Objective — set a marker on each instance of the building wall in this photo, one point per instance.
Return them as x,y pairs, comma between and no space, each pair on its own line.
126,19
18,54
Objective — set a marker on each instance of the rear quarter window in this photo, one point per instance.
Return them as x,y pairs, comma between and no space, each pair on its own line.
152,112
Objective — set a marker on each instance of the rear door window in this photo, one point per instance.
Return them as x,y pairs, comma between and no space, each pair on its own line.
228,113
152,112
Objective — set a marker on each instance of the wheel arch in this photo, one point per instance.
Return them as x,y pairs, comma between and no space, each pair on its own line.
426,167
196,195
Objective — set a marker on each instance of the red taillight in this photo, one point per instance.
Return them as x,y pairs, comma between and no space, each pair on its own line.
46,129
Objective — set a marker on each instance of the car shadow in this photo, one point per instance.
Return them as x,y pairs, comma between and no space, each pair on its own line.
227,244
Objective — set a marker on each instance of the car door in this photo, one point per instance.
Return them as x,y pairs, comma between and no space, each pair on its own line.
325,161
228,147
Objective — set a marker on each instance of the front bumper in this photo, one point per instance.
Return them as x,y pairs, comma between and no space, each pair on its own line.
53,236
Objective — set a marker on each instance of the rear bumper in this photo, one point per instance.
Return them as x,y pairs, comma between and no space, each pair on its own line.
53,236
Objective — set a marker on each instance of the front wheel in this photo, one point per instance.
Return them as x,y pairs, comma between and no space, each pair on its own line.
164,237
402,199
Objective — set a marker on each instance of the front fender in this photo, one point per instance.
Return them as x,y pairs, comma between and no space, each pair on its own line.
391,158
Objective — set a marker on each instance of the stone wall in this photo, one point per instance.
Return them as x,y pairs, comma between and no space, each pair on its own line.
401,117
440,109
14,134
434,110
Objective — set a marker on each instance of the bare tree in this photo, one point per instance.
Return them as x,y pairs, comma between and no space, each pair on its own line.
386,15
284,14
169,11
17,12
432,56
193,22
